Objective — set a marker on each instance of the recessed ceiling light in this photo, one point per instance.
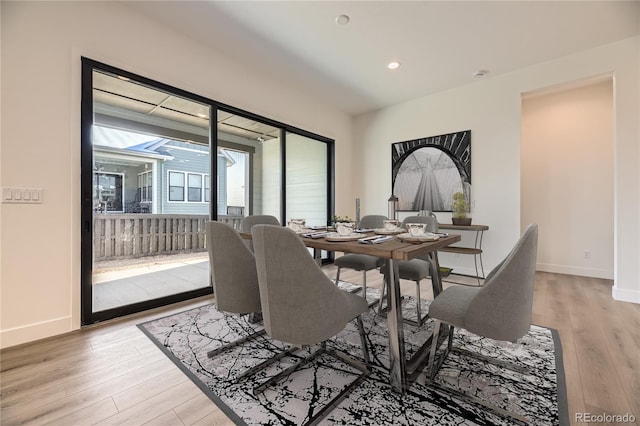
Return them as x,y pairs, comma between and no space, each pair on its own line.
480,73
393,65
342,19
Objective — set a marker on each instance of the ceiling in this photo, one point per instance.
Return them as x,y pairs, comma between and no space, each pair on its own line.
440,44
127,101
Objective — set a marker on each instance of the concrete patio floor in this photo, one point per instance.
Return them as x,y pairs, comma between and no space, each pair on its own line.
119,283
122,282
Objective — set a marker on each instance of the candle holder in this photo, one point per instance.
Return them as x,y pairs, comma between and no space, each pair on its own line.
393,207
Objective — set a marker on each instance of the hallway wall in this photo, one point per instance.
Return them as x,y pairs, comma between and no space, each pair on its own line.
567,177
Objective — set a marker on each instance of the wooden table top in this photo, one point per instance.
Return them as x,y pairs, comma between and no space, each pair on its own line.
391,249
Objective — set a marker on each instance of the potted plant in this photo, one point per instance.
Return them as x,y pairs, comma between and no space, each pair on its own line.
460,208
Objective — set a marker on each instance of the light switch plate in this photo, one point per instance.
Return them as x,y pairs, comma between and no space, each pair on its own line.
22,195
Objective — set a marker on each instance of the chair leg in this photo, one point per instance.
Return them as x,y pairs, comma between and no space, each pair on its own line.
364,291
363,368
264,364
286,373
382,296
235,343
364,284
515,418
434,348
338,276
435,363
491,360
363,340
419,319
254,369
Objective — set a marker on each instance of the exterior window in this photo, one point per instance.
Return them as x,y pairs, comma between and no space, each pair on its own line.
108,192
189,187
145,186
195,187
176,186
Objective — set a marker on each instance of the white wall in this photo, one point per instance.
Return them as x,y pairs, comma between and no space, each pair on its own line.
567,178
491,108
42,43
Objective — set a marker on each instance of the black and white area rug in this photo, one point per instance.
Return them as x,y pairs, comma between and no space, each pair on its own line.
540,396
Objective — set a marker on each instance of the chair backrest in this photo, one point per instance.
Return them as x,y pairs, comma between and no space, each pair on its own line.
502,308
233,270
300,304
247,223
431,221
432,226
372,221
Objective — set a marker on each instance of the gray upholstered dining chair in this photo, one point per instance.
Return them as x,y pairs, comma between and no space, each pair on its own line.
233,274
416,269
300,305
499,310
247,223
362,262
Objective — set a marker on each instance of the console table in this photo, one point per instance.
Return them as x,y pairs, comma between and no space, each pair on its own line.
476,250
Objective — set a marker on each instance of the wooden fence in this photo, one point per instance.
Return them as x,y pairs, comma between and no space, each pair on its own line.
135,235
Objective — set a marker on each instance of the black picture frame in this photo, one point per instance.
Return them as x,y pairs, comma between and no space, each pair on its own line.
426,172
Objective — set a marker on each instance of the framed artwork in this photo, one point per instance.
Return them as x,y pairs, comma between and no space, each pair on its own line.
426,172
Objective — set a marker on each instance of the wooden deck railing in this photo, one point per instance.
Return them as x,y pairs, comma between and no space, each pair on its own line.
136,235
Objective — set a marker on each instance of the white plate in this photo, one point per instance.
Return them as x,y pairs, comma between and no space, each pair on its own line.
385,231
334,236
421,239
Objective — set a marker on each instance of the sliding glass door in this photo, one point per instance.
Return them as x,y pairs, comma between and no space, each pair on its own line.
147,157
155,169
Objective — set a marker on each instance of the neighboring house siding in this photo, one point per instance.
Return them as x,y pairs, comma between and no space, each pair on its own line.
185,160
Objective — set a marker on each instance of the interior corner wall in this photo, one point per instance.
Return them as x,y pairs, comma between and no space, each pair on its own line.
41,46
491,108
567,177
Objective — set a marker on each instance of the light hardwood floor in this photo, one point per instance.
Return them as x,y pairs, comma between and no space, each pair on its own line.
112,374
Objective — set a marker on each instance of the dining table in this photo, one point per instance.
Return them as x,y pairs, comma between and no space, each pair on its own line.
401,370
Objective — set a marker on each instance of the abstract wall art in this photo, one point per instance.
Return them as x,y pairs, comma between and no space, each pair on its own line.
426,172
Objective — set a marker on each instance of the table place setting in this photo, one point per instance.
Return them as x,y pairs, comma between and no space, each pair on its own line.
336,237
375,239
316,234
391,227
407,237
344,232
297,225
418,234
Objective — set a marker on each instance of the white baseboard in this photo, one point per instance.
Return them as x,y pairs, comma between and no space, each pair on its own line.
29,333
625,295
575,270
